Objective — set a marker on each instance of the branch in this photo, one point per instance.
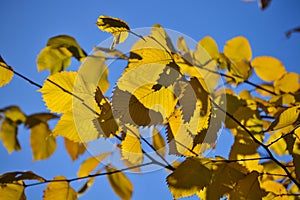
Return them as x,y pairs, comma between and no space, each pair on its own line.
89,176
243,159
265,147
281,137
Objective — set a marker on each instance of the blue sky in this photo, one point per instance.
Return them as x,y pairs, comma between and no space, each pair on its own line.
27,25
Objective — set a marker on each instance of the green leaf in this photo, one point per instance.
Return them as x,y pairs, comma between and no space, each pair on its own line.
247,188
6,72
59,190
191,176
119,183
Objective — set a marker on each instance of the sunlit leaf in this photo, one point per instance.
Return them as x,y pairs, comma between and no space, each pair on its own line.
272,168
289,82
11,177
251,165
224,178
268,87
56,99
158,142
43,144
181,45
37,118
12,191
14,113
54,59
8,134
286,118
68,42
6,73
132,147
274,189
247,188
240,70
119,183
59,190
210,45
238,49
74,149
184,182
263,65
115,26
91,163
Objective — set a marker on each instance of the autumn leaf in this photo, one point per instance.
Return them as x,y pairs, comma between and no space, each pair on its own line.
117,27
74,149
210,45
12,191
6,72
59,189
263,65
184,182
91,163
35,119
238,49
131,147
43,144
87,185
274,189
289,82
158,142
14,113
11,177
8,135
119,183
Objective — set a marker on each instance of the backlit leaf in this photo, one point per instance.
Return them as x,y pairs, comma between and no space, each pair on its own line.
238,49
210,45
184,182
12,191
56,99
74,149
6,73
59,190
43,144
11,177
274,189
181,45
286,118
132,147
119,183
14,113
68,42
158,142
268,87
115,26
8,134
289,82
280,146
247,188
263,65
54,59
91,163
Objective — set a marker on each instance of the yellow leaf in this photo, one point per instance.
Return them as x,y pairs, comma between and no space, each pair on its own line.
251,165
263,65
11,177
14,113
89,164
286,118
247,188
266,86
132,147
181,45
115,26
8,134
184,182
43,144
74,149
274,189
6,73
289,82
55,98
240,70
210,45
119,183
68,42
59,190
224,178
37,118
12,191
238,49
158,142
54,59
280,146
86,185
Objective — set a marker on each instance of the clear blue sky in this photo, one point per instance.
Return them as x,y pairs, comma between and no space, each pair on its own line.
27,25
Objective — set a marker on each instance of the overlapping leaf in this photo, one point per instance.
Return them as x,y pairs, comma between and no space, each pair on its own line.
12,191
74,149
59,190
6,72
